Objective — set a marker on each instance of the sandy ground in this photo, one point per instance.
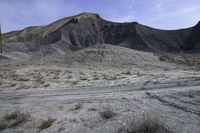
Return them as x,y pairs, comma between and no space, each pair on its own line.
74,92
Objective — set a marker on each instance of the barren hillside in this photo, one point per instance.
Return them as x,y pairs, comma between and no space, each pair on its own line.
87,29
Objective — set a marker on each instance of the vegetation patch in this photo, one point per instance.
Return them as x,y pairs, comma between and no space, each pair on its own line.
76,106
83,78
107,114
33,124
46,123
191,62
127,72
72,82
109,77
22,79
14,119
46,85
147,125
164,58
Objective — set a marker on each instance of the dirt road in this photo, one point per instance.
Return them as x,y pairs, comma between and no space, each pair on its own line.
174,102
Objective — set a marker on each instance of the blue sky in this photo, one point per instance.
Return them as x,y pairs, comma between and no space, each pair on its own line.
163,14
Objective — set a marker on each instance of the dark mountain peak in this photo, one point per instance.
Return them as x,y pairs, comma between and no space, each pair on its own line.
193,41
87,29
197,25
87,15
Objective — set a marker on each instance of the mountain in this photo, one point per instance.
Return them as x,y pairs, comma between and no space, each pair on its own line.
88,29
193,41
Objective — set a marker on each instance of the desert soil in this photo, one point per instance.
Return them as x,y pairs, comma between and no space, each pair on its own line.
75,93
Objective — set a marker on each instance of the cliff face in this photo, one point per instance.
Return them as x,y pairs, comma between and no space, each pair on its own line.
67,34
86,29
140,37
193,41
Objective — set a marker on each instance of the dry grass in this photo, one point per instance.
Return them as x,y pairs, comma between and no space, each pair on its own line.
96,78
128,72
33,124
164,58
83,78
147,125
14,119
46,85
8,84
69,77
20,87
3,125
46,123
73,82
109,77
191,62
21,79
76,106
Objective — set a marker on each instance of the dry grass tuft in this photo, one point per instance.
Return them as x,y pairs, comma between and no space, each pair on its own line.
14,119
147,125
76,106
164,58
47,123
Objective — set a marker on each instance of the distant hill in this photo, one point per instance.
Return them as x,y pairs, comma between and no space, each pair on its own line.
88,29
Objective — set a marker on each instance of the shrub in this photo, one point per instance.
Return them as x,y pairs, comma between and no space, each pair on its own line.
107,114
14,119
3,125
46,85
96,78
147,125
34,124
164,58
191,62
127,72
69,77
110,77
74,82
77,106
22,79
47,123
83,78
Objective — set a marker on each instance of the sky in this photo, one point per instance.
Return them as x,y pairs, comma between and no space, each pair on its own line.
162,14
